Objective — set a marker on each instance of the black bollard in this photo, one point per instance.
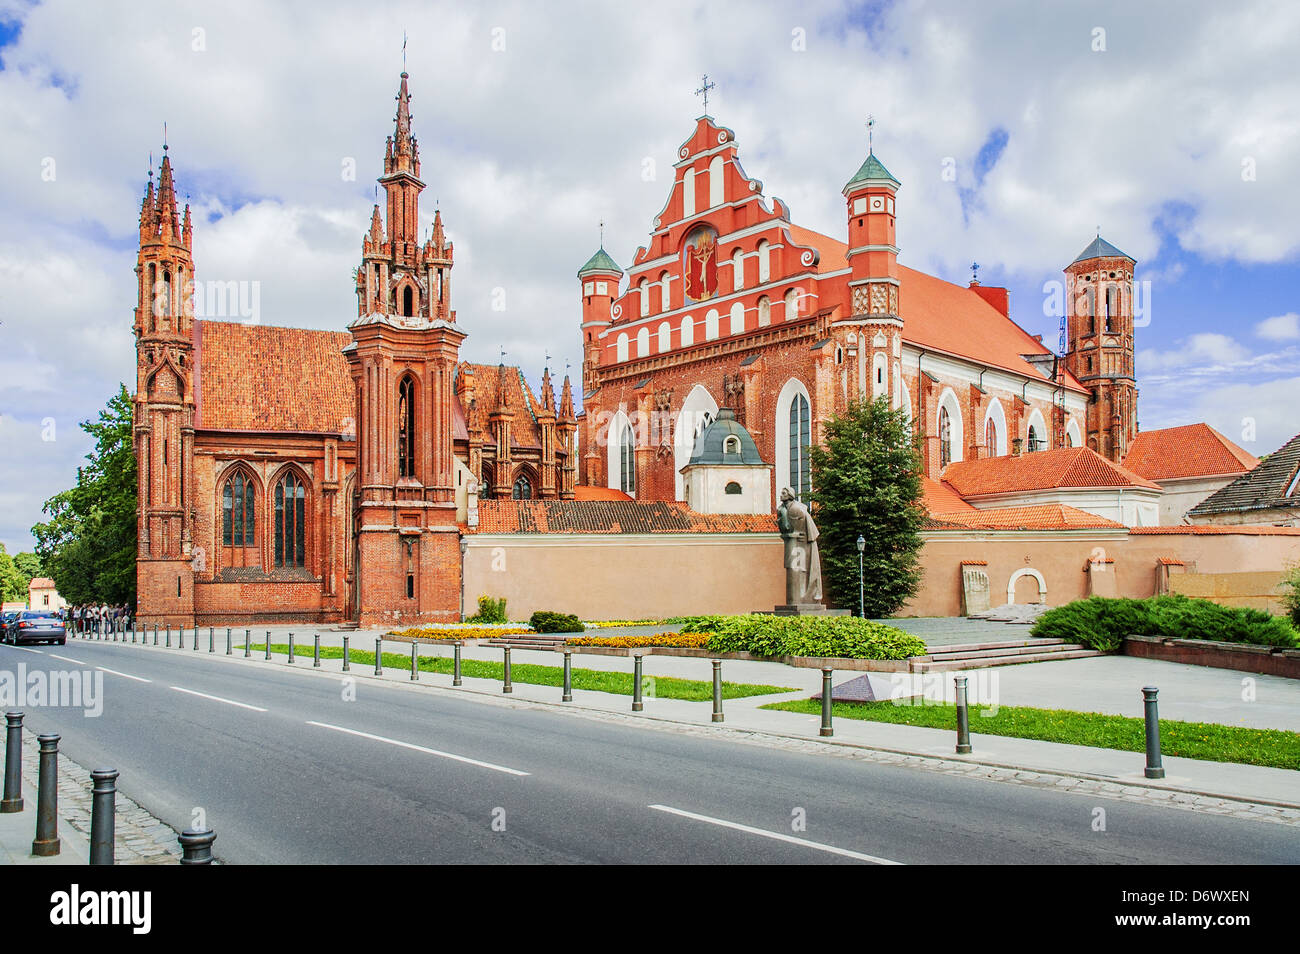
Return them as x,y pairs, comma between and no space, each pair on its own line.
455,666
247,645
963,717
212,646
268,645
196,846
637,705
415,661
103,796
506,685
228,647
196,638
315,652
155,634
1154,768
567,694
13,796
47,799
168,644
827,729
347,658
379,655
291,649
717,690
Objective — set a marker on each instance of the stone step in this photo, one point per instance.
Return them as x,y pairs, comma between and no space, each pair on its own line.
992,645
1005,651
953,665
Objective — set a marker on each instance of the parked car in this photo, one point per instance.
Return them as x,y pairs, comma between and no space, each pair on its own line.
33,626
7,617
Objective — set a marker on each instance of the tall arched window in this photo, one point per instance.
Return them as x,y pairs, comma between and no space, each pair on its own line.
1033,438
1112,305
290,543
522,490
665,337
764,312
408,302
406,427
643,342
737,270
991,437
627,463
792,304
737,318
620,348
715,181
665,295
688,331
945,438
764,262
238,523
800,441
711,324
644,288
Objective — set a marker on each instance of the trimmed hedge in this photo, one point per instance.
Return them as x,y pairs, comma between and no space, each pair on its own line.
1102,623
765,635
545,621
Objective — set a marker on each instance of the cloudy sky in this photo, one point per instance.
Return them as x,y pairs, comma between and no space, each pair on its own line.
1174,128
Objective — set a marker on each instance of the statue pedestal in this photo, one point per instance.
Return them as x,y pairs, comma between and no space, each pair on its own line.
808,609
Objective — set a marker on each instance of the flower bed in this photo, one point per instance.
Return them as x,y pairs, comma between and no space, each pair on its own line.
458,632
821,636
675,640
614,623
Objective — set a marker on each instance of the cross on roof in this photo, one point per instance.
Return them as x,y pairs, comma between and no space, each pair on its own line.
871,143
704,91
974,271
403,51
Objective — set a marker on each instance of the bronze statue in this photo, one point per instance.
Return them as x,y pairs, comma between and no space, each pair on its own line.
803,570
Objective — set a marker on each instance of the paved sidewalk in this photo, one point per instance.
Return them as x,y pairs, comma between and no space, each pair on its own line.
139,837
1218,787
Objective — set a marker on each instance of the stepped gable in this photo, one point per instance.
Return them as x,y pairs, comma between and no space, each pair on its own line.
1063,468
1194,450
611,516
270,378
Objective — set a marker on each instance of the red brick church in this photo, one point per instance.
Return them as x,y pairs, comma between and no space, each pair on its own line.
353,492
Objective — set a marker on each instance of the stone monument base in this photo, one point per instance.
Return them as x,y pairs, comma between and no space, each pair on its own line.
808,609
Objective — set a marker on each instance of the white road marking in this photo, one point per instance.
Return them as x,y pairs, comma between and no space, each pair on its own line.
419,748
124,675
66,659
775,835
229,702
39,652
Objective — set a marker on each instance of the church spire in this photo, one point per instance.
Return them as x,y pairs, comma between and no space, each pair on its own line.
401,182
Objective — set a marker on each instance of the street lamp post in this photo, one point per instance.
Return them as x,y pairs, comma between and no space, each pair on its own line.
862,545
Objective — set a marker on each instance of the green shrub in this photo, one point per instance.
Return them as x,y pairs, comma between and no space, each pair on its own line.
545,621
765,635
1101,623
1291,597
489,611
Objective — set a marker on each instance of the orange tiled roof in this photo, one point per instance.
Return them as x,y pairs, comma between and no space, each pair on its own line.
611,516
941,498
1249,530
268,378
1194,450
41,583
941,316
1062,468
1042,517
599,493
487,382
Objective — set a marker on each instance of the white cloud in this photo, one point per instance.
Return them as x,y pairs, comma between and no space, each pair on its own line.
1203,352
1280,327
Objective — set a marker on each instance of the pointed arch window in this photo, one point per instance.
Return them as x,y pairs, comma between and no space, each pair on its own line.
991,437
408,302
627,463
1033,439
945,438
406,427
800,441
238,522
522,490
290,521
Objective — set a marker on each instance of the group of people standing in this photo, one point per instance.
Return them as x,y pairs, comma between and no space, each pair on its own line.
98,618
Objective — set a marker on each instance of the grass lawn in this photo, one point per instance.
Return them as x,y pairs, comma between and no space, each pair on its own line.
1193,740
619,683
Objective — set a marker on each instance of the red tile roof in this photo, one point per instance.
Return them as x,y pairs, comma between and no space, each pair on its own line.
941,498
267,378
611,516
1195,450
941,316
487,382
599,493
1042,517
1062,468
41,583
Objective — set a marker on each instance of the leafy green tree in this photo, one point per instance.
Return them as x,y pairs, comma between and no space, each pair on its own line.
88,546
29,563
867,480
13,585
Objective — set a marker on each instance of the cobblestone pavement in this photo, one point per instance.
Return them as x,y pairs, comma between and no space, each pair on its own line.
140,838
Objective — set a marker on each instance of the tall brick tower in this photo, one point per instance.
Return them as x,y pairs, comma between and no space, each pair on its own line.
1099,350
164,406
599,281
402,358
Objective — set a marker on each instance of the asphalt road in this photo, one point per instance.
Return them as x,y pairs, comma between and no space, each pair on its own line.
287,771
